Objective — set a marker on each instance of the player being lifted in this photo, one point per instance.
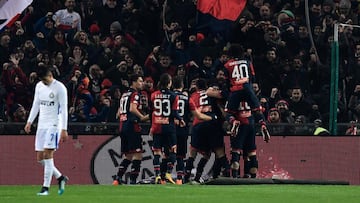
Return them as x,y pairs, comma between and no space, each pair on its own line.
182,131
130,131
241,73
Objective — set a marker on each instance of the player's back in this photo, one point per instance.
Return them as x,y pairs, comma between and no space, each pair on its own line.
126,99
183,103
201,101
239,72
163,104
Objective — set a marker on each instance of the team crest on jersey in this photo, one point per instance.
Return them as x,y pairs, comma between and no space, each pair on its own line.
51,95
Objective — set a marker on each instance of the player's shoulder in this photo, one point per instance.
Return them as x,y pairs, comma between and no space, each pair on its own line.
59,84
155,92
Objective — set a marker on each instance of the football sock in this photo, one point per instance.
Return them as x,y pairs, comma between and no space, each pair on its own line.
189,166
171,161
179,167
123,167
56,172
48,171
135,170
200,168
156,163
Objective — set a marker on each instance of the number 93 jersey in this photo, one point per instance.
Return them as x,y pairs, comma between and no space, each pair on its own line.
164,106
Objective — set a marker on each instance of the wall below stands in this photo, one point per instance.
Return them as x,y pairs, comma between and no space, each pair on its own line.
94,159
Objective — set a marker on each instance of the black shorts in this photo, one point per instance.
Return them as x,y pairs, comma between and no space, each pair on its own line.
245,139
237,96
131,141
164,142
181,145
207,136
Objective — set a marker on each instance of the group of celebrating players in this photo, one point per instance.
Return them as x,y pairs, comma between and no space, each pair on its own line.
214,110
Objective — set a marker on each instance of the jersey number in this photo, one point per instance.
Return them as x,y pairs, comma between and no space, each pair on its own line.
240,71
162,107
181,104
123,102
203,99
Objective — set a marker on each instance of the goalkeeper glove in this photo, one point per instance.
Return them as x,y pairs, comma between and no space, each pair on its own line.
264,131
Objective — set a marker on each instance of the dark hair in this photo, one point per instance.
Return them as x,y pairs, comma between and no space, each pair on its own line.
201,84
164,81
43,71
134,78
236,50
178,82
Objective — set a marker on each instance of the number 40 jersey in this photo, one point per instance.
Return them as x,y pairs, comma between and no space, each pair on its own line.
239,70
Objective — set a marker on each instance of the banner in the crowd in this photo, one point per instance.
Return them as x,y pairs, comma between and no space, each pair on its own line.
222,9
10,10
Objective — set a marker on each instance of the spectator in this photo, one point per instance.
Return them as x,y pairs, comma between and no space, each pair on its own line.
300,127
274,121
108,13
286,115
319,129
68,20
155,66
5,40
298,104
17,113
43,28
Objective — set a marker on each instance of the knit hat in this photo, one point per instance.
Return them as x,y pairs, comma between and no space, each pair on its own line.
282,102
94,29
288,13
116,26
106,83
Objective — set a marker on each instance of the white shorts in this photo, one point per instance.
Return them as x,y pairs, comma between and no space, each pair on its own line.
47,139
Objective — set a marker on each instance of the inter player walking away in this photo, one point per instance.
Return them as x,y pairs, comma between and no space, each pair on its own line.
130,131
50,102
182,132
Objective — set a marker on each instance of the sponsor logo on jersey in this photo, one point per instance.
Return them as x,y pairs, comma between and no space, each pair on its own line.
47,103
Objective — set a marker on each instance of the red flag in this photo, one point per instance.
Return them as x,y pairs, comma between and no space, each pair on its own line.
11,10
222,9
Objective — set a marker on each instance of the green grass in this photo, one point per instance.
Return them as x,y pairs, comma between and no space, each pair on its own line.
185,194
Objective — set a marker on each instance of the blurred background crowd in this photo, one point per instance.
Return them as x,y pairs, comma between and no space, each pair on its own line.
94,45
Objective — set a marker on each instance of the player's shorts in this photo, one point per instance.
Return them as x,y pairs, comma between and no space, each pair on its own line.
47,139
182,134
246,94
207,136
245,138
164,141
131,141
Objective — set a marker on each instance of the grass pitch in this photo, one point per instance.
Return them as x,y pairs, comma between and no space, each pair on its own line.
185,193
